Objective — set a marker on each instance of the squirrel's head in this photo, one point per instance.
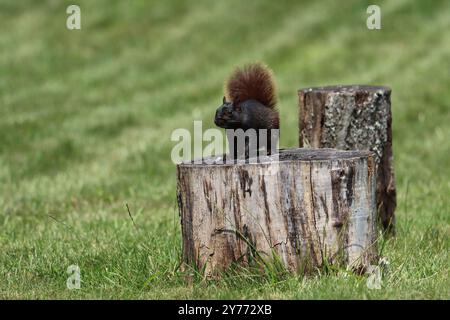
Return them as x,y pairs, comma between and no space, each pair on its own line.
228,115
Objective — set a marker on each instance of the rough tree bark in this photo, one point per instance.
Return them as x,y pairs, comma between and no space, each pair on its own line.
353,118
306,207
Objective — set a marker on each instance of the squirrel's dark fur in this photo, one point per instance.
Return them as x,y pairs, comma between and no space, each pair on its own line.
249,102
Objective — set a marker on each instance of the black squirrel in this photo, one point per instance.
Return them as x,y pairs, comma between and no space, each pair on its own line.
250,103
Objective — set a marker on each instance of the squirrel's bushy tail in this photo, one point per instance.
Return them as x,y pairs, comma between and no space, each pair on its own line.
252,82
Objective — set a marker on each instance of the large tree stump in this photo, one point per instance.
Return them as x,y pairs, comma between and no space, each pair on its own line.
353,118
308,208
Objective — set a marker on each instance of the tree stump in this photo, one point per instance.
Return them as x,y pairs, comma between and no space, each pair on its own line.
304,207
354,118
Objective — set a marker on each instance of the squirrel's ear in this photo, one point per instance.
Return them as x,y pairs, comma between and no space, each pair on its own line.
224,100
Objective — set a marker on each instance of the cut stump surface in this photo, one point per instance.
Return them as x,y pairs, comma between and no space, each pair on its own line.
307,207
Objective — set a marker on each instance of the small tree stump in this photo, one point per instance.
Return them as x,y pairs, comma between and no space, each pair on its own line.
353,118
307,207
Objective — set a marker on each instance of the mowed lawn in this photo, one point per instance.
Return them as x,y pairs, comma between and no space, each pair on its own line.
87,115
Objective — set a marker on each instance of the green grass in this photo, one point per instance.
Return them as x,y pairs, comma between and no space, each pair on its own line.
87,117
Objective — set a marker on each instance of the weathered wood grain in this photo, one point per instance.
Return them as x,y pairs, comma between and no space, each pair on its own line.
353,118
308,207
